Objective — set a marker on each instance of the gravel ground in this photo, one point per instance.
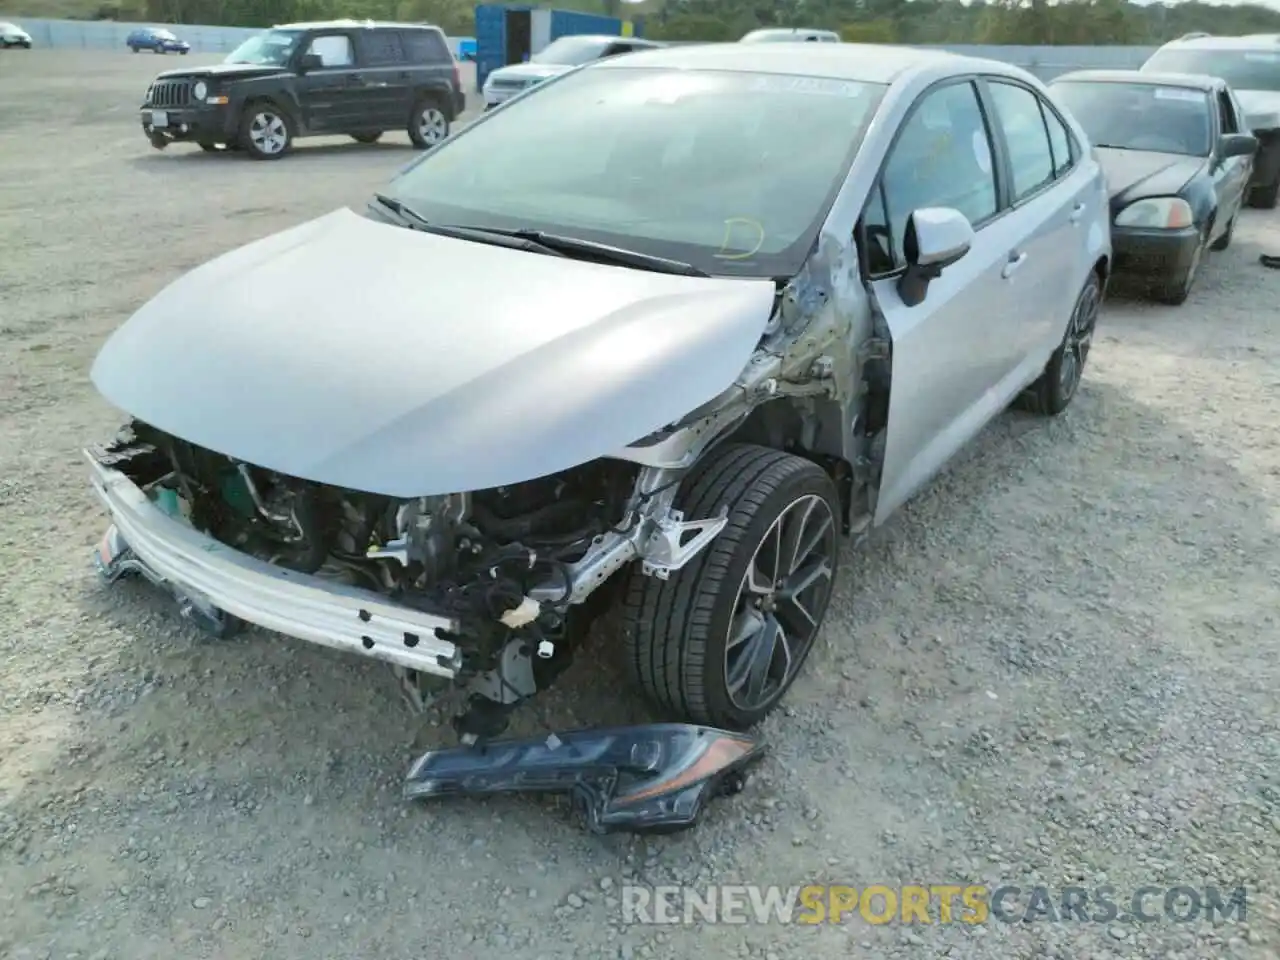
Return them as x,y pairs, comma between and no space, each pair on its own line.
1058,665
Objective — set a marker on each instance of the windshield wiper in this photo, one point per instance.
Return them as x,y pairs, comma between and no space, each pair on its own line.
602,251
416,221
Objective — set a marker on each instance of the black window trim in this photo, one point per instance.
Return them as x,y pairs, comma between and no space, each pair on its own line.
1072,146
999,168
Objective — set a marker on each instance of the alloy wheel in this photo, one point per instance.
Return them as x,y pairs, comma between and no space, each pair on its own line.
780,603
432,125
1079,338
269,133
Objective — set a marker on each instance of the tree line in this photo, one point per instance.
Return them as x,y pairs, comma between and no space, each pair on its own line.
1037,22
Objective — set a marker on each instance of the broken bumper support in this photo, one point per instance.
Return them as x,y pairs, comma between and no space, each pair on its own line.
210,580
653,778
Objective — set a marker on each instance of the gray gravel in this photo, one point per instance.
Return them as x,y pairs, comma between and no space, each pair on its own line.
1057,665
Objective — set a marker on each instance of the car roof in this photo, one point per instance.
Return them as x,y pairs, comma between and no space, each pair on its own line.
349,24
1198,81
1254,41
609,38
774,31
863,62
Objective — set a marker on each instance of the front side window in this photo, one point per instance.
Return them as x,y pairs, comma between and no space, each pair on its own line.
1026,136
732,172
1242,69
571,51
1140,116
272,48
942,158
334,50
1227,121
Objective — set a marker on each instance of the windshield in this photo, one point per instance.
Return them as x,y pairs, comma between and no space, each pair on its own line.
730,172
272,48
164,35
571,51
1140,116
1242,69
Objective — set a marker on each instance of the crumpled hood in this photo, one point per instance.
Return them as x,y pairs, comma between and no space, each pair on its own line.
525,72
382,359
1261,108
1134,174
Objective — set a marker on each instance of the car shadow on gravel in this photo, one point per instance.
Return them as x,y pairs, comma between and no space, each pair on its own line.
965,592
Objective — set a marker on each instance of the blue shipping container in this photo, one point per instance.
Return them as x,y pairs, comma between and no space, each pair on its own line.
510,34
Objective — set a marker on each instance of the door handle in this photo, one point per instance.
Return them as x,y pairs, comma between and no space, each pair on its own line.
1016,260
1077,212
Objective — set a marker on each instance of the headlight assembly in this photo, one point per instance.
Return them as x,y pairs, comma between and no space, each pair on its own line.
1161,213
201,90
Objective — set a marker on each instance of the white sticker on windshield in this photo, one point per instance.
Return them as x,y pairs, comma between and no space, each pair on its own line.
821,86
1179,93
982,151
1263,57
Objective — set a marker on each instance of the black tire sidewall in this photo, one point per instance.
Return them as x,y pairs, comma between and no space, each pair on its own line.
423,103
722,591
1054,401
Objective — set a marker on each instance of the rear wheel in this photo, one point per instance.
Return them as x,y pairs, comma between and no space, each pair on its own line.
428,123
1051,394
721,641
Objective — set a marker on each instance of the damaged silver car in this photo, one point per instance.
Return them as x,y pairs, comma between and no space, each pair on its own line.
654,339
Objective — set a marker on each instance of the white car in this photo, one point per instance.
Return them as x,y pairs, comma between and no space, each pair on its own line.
791,35
558,57
12,35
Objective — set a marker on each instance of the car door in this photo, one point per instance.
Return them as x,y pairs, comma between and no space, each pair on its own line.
954,352
1048,205
331,94
384,95
1231,175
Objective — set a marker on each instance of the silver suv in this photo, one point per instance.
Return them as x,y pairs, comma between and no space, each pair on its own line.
1251,66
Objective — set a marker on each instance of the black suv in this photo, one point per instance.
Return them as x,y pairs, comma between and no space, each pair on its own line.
311,79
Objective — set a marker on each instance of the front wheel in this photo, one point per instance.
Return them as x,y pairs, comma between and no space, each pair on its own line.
428,124
1054,389
1175,289
1224,241
266,131
722,640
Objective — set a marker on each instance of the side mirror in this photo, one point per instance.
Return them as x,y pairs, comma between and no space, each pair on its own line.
310,61
1237,145
934,239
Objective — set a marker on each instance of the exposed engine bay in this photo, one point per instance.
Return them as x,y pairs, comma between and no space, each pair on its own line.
517,567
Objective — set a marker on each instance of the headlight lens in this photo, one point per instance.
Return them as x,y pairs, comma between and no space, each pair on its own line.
201,90
1161,213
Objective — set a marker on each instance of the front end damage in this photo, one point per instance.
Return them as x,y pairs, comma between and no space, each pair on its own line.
487,589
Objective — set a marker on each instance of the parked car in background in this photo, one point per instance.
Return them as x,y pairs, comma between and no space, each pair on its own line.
1251,66
156,40
557,57
12,35
1177,160
311,79
790,35
748,300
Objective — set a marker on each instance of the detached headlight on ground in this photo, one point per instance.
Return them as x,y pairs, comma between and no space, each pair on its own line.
201,90
1162,213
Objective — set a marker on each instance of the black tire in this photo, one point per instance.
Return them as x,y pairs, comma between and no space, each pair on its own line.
1174,289
183,52
1224,241
366,137
134,49
1053,391
428,123
1265,198
266,131
676,632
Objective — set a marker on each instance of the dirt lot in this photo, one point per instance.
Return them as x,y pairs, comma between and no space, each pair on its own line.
1057,666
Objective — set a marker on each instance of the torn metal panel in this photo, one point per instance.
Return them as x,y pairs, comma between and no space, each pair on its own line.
650,778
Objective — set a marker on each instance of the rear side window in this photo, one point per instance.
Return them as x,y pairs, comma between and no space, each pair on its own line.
381,48
1030,155
425,46
1059,140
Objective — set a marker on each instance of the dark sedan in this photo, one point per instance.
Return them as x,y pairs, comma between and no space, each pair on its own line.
1177,161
